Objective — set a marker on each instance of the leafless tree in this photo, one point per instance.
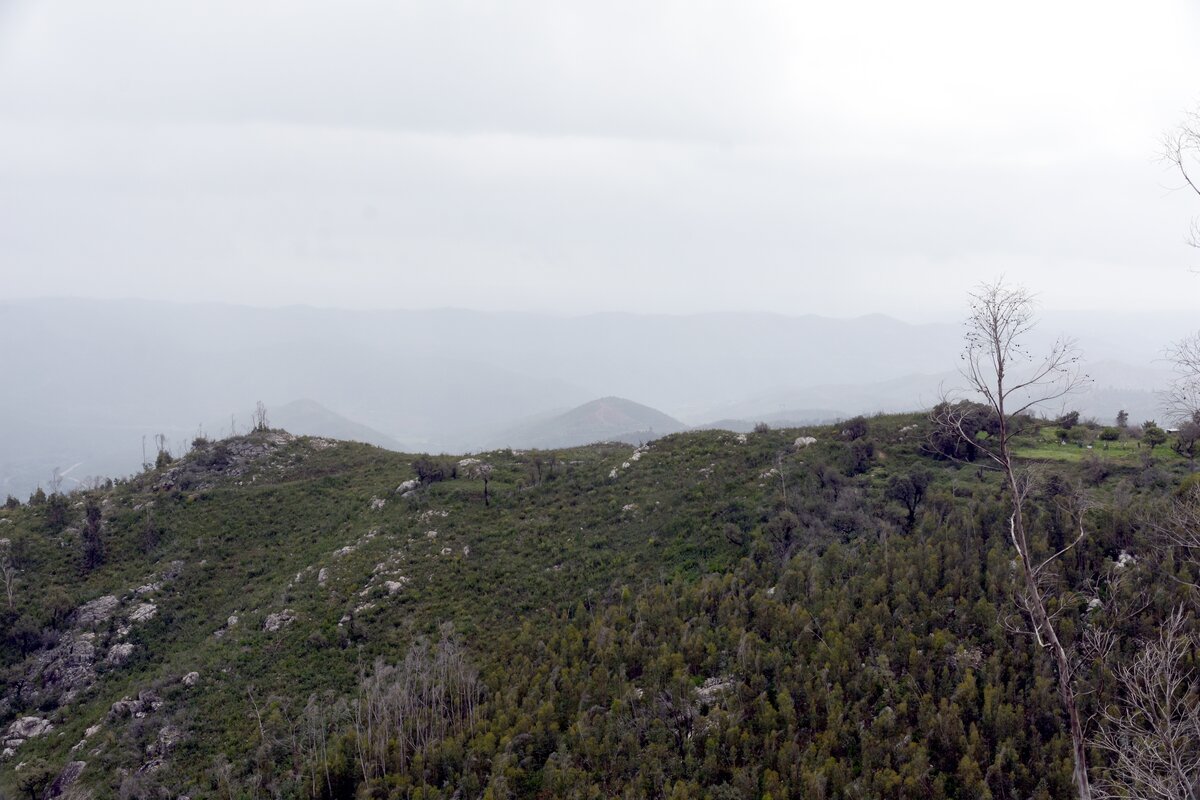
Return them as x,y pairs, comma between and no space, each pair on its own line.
1181,149
8,571
1153,737
405,709
999,368
56,481
1177,529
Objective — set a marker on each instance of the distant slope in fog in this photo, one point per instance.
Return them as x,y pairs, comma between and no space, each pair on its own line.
605,419
309,418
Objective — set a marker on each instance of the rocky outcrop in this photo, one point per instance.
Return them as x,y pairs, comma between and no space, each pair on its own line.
96,611
229,458
22,730
61,671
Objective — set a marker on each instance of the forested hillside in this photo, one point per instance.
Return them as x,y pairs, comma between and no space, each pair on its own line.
819,613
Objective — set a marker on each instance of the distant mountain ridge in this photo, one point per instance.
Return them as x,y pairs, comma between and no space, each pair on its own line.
607,419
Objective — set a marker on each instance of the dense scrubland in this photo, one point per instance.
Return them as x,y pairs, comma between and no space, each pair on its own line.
827,612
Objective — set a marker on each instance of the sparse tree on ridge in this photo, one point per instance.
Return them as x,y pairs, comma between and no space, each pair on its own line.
999,368
261,423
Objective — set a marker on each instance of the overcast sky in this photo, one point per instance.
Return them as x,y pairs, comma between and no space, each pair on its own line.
835,157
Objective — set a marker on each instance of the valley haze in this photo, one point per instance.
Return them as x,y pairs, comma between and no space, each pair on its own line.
119,372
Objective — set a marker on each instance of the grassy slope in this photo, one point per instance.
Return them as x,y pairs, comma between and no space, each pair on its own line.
243,544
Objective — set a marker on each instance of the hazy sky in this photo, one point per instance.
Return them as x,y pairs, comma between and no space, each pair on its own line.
832,157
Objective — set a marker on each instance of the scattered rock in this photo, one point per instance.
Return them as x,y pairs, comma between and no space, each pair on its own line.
430,534
446,551
191,679
803,441
322,576
279,620
146,701
395,586
408,486
742,438
1124,560
377,503
344,551
70,773
466,551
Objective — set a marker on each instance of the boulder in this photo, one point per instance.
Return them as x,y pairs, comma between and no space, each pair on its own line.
29,727
70,773
119,653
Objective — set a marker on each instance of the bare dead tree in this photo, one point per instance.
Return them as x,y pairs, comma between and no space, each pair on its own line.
999,368
56,481
1153,737
1181,401
8,571
1181,149
1177,529
403,710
